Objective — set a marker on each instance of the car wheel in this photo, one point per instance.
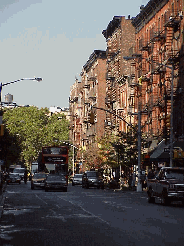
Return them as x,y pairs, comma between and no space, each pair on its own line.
65,189
151,199
46,189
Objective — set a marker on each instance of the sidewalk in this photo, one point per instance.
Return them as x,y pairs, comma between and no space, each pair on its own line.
127,189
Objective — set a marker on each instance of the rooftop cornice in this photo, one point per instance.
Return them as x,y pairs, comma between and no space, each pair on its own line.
93,57
112,26
147,13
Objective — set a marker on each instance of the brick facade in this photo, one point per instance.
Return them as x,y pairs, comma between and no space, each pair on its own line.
159,40
153,43
120,37
84,94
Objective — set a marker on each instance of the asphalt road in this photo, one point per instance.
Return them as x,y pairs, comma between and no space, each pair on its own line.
87,217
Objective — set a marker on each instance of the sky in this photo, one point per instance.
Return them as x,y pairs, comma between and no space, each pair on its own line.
52,39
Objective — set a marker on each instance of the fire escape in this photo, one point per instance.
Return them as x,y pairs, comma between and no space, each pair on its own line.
160,49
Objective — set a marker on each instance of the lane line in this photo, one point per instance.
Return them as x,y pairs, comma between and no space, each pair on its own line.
41,199
93,215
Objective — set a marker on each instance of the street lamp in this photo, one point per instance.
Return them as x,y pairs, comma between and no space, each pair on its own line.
12,82
74,147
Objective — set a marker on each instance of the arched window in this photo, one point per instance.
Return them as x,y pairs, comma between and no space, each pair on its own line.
147,38
159,25
173,11
137,45
162,21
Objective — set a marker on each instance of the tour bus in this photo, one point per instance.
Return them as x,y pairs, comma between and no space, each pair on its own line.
55,159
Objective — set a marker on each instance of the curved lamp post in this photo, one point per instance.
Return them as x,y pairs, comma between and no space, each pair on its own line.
12,82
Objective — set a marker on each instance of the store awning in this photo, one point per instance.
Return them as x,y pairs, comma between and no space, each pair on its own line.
162,151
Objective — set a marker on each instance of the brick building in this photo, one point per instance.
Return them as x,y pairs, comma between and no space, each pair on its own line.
159,48
120,38
84,94
153,44
94,84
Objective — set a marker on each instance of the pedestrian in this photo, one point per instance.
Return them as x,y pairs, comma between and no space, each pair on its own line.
151,174
156,171
130,181
25,176
133,180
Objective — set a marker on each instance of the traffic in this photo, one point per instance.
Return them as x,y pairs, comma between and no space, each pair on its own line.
167,184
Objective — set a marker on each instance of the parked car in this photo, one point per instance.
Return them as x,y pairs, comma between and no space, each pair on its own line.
77,179
38,180
19,171
92,179
56,182
168,185
13,179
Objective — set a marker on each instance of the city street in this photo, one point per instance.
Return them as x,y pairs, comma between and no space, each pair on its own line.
87,217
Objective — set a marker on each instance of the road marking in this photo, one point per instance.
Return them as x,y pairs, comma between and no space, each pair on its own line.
41,199
88,212
113,204
55,215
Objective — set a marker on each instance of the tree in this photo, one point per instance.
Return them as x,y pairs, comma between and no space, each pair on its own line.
92,158
107,151
33,128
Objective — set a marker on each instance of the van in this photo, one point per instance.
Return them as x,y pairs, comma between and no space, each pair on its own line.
20,171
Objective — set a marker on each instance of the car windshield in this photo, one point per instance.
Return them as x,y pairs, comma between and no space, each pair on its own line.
55,177
14,175
78,176
39,175
92,174
174,174
18,170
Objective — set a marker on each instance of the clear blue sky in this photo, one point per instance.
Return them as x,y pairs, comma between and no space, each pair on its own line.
52,39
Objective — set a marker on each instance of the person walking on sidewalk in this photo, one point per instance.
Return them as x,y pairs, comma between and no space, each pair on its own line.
25,176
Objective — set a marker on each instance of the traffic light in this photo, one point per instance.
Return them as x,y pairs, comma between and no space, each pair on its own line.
91,117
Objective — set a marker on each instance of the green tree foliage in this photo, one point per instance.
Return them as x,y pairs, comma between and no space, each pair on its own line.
127,145
107,151
92,159
33,128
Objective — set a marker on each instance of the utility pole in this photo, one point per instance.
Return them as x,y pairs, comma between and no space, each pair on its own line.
171,119
139,185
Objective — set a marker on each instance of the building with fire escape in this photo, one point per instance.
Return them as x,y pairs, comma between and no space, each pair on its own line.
151,81
120,38
84,94
159,73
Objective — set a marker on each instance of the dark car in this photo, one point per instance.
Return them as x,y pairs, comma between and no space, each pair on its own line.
13,178
55,182
77,179
92,179
38,180
168,185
